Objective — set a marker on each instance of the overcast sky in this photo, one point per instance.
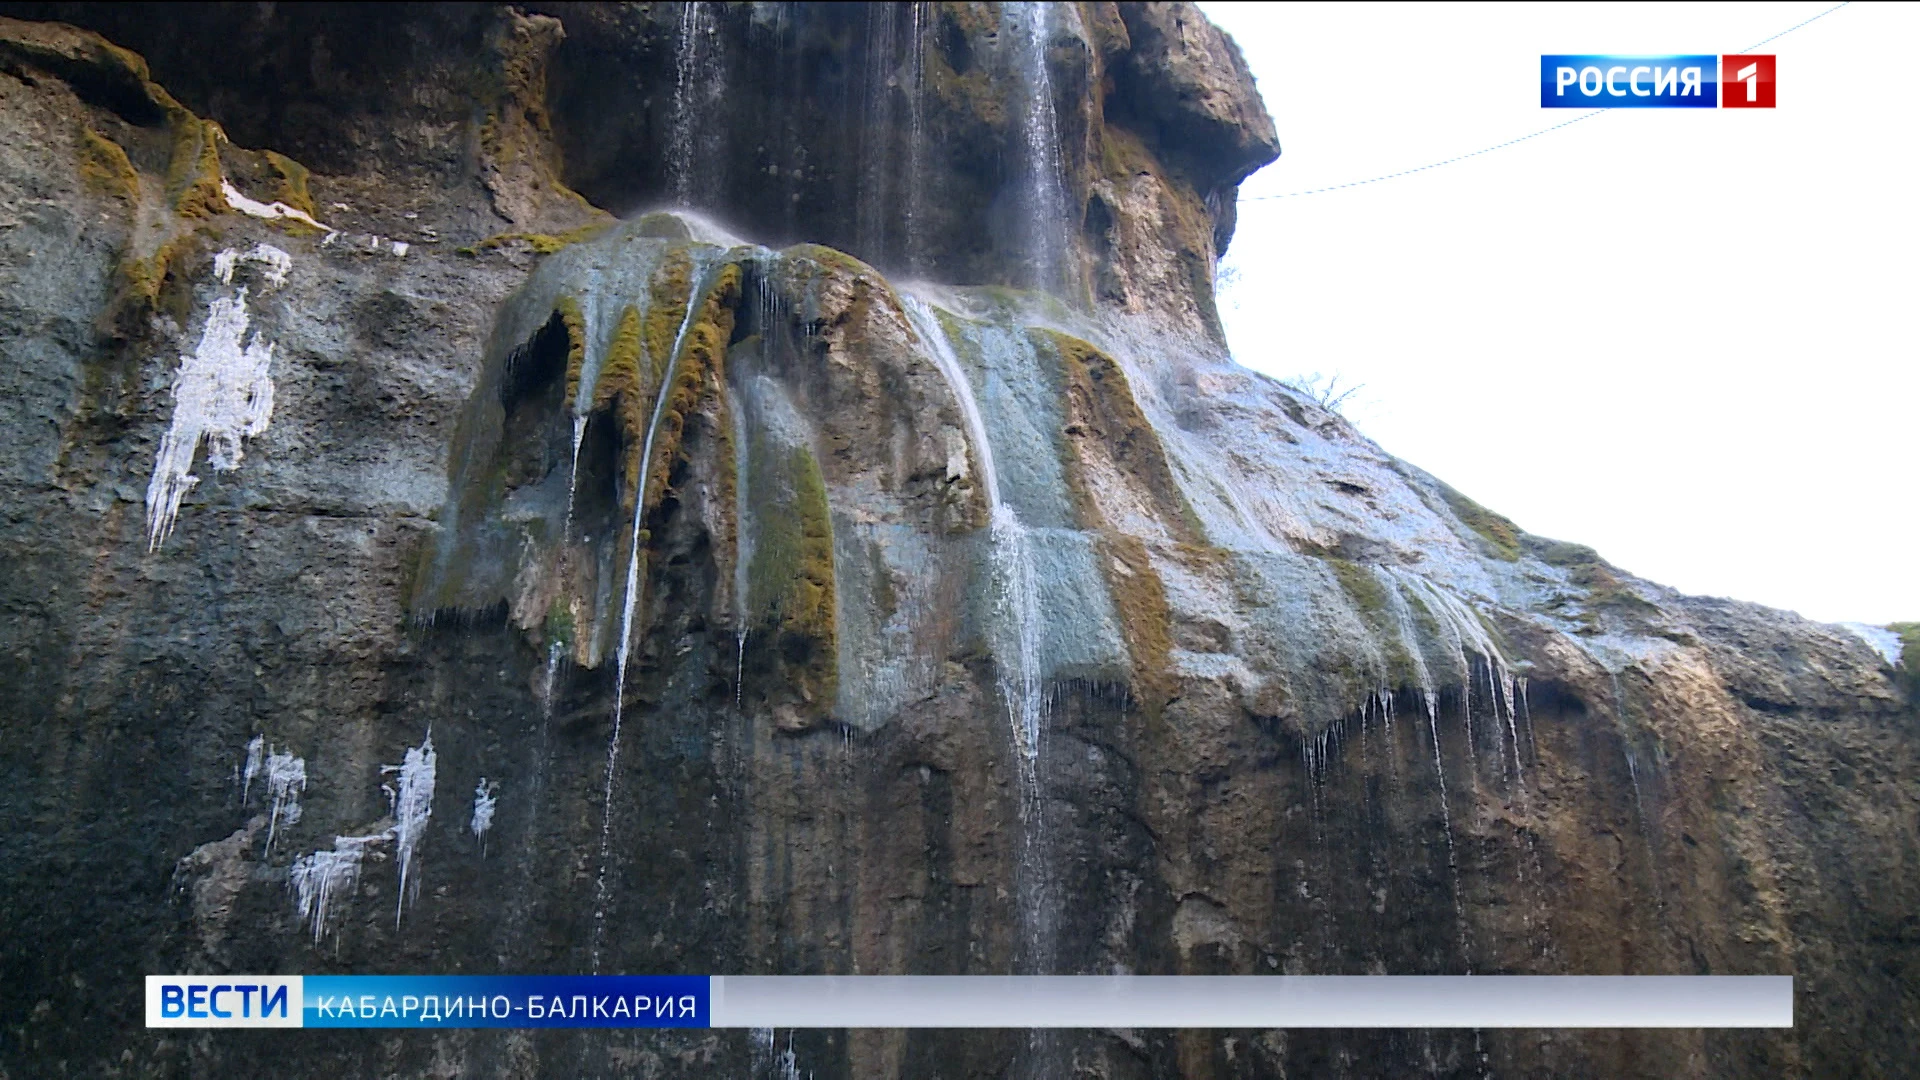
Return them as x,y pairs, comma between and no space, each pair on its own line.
1684,337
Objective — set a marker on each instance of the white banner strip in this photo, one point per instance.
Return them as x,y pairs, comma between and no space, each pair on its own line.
1266,1001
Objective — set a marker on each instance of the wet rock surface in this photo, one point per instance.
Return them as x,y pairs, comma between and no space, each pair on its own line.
954,628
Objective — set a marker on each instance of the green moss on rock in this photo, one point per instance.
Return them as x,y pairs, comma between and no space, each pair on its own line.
790,580
1909,657
1502,536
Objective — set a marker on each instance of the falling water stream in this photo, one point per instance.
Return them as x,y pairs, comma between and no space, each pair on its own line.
1046,202
701,281
690,81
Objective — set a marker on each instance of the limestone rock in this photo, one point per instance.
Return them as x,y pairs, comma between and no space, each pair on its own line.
959,616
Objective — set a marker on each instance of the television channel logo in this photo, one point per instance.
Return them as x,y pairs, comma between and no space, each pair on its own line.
228,1001
1596,81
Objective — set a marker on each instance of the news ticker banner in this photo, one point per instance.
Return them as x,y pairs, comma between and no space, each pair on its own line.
970,1001
1598,81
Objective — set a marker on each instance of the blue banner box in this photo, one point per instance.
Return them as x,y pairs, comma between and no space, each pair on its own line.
1629,82
967,1001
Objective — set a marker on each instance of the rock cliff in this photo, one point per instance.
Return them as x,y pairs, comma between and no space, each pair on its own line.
759,488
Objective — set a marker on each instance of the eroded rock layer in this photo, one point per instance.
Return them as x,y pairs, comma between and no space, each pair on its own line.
415,566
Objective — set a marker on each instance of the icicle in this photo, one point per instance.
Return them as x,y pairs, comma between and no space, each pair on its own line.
1513,731
322,879
1446,821
412,806
256,759
286,782
555,650
789,1063
761,1051
739,665
484,798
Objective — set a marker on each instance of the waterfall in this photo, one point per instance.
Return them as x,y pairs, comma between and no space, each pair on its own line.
742,538
876,202
573,470
1016,596
690,79
1015,613
698,283
1626,747
1044,199
915,225
940,351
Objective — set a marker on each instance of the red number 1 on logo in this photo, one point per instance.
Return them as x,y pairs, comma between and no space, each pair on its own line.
1746,82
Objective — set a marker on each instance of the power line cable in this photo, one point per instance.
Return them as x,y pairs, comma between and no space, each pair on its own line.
1513,142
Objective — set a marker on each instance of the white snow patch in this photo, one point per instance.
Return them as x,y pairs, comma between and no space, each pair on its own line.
412,806
1886,641
222,394
273,211
276,261
484,797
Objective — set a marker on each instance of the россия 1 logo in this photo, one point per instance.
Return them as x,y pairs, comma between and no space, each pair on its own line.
1656,82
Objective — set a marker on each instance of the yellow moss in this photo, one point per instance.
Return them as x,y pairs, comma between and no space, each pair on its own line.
971,93
515,133
623,385
831,259
292,188
1587,570
1368,595
193,171
1140,601
1101,406
1371,603
546,243
701,370
1106,27
141,280
667,305
726,481
1101,403
105,168
570,316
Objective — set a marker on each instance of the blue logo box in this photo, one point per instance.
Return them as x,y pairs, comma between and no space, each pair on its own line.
1629,82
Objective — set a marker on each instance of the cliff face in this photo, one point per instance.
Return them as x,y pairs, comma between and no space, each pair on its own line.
416,567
